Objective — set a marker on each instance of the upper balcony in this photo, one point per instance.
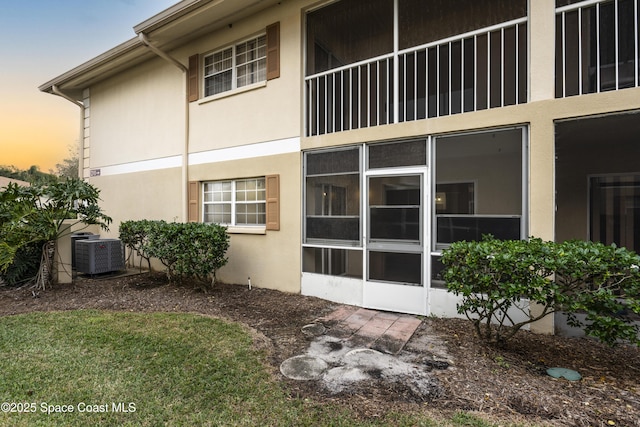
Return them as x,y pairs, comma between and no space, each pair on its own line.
390,61
596,46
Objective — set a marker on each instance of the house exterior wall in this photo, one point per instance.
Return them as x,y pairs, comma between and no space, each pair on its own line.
270,111
140,195
270,258
131,120
135,135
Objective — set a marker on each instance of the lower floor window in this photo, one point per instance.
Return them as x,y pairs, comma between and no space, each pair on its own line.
235,202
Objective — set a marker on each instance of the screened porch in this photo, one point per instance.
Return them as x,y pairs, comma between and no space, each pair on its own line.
389,61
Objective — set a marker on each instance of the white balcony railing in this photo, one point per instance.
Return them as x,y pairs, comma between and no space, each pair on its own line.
482,69
597,47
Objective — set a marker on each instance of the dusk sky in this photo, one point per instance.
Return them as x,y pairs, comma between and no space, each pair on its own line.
39,40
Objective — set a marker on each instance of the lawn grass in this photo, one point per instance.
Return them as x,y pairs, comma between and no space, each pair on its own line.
150,370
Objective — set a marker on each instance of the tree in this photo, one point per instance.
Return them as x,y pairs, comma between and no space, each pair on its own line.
31,175
69,166
34,216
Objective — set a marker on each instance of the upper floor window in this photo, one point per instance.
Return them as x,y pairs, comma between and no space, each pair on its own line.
236,66
254,60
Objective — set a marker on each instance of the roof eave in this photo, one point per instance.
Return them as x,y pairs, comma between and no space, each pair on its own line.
170,14
112,61
168,29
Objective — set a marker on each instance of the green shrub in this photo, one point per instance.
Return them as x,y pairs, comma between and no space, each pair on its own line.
25,264
495,276
191,250
134,235
602,282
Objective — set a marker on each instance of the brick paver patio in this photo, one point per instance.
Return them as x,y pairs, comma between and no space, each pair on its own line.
382,331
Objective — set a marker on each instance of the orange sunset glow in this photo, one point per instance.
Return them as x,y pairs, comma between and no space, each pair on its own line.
37,128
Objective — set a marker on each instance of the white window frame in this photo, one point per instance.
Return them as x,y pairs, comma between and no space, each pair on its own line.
234,202
260,45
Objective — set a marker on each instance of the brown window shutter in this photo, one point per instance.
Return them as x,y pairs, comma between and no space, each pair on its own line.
273,51
273,201
194,201
193,78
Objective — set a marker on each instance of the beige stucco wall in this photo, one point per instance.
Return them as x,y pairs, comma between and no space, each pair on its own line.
132,120
270,257
131,123
151,195
268,112
133,130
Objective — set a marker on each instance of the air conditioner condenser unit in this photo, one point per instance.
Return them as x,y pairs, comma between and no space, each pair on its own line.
96,256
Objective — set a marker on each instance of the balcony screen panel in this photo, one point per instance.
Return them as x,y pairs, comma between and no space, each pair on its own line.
397,223
626,44
332,162
333,262
453,228
615,210
422,21
333,195
348,31
395,267
332,208
590,55
479,186
412,153
332,228
437,270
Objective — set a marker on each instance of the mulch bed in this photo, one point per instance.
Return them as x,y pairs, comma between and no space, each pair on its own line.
499,384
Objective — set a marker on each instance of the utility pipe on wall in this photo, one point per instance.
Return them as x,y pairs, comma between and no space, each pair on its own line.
185,149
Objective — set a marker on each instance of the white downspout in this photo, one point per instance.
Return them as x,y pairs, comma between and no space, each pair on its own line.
57,91
185,149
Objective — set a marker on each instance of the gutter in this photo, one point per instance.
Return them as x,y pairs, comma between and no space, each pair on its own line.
185,148
57,91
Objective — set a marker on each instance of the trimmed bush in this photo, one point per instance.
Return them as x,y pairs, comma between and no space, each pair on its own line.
133,235
191,250
495,276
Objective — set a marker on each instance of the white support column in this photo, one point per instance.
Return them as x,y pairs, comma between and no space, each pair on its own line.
541,49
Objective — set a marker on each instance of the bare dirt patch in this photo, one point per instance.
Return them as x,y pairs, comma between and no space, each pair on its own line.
500,384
